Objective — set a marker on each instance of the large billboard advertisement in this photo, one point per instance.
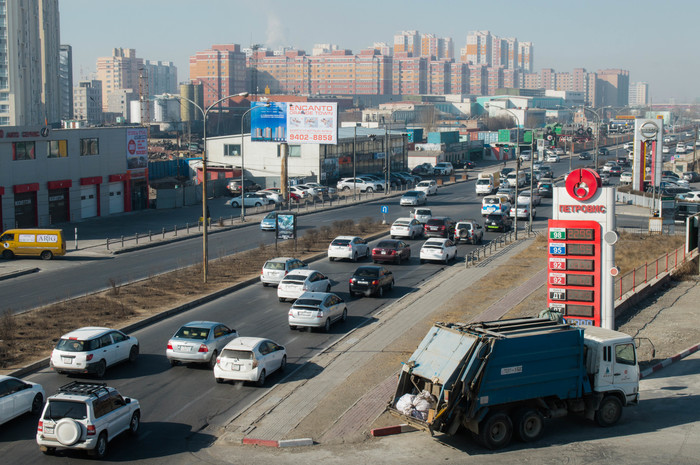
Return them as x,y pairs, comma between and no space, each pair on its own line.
136,148
268,122
312,123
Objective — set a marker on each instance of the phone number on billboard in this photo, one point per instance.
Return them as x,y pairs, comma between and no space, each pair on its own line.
314,137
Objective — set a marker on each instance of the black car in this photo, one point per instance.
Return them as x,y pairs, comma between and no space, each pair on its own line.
602,151
463,164
498,222
545,189
371,280
584,156
440,226
505,171
615,170
685,209
691,176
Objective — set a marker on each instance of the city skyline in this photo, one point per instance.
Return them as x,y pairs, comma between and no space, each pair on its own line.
157,32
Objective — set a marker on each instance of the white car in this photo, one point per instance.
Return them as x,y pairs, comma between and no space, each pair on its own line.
272,195
608,165
198,342
277,268
249,359
300,191
406,227
552,158
680,148
665,149
442,250
413,198
429,187
421,214
362,185
251,199
692,196
86,416
299,281
524,198
680,182
317,310
18,397
93,350
523,211
525,155
626,177
349,247
443,168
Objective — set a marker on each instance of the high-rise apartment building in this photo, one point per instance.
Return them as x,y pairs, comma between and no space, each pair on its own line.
526,56
639,94
29,62
119,71
87,102
409,74
459,78
563,81
439,80
479,48
478,79
614,87
221,70
407,42
281,74
531,81
65,81
162,77
547,78
494,79
511,51
436,48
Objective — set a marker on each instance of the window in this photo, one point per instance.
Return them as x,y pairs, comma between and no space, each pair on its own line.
89,146
232,150
624,353
23,151
295,151
58,148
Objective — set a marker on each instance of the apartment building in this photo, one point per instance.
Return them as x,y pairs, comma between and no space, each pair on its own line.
221,70
639,94
65,81
119,71
409,74
614,87
407,42
87,102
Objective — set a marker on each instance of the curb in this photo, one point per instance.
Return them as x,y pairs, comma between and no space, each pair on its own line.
278,444
391,430
14,274
669,361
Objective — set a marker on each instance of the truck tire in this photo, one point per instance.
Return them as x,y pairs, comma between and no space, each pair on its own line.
496,430
609,411
529,424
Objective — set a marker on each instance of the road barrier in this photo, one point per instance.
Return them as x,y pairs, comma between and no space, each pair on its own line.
496,244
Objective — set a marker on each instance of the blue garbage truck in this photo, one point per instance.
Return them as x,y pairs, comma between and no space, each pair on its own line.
504,378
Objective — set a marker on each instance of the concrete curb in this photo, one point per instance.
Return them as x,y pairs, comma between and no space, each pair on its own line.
669,361
14,274
391,430
279,444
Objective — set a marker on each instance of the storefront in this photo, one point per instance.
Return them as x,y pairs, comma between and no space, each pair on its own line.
59,201
26,213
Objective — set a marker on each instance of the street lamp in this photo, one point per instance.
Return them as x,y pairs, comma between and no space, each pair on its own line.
517,169
205,254
597,130
265,105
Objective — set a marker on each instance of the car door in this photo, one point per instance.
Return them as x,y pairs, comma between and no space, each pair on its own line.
121,345
107,349
331,303
7,402
451,249
322,282
222,336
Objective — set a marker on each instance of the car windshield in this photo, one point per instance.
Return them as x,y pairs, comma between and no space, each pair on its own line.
270,216
300,278
494,217
492,201
411,194
483,181
401,223
367,272
432,245
191,332
464,226
434,222
340,242
307,303
74,345
386,245
58,409
424,184
423,212
274,266
237,354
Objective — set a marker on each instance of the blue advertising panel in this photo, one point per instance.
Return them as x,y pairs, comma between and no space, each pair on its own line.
286,226
269,123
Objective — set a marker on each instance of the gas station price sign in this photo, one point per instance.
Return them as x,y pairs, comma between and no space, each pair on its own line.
574,270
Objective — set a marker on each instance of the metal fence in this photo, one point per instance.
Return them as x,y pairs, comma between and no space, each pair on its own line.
494,245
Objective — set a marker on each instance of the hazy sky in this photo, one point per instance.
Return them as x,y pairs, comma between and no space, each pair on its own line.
657,41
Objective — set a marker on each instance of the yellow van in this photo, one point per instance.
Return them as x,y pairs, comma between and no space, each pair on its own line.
44,243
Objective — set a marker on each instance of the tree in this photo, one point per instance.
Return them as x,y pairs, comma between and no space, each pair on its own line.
500,122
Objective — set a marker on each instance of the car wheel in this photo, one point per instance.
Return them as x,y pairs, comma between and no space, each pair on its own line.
422,261
346,188
212,360
609,411
283,365
100,450
234,205
391,285
399,260
352,294
258,204
261,379
354,257
265,284
292,327
370,190
344,316
46,255
47,450
37,403
331,258
380,291
135,423
281,299
174,363
327,326
496,430
101,369
133,354
7,254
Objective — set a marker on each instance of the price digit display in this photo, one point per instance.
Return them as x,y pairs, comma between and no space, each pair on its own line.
579,264
580,249
580,234
579,310
582,295
578,280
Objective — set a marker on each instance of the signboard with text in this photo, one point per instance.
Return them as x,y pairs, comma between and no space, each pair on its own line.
268,122
312,123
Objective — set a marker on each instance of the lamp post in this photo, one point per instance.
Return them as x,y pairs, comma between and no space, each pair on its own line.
354,164
597,131
205,254
265,105
517,168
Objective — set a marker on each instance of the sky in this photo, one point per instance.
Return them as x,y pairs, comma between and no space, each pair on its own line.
657,41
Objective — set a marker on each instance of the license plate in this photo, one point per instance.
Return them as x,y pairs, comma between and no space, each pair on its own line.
48,429
362,282
67,360
184,348
304,313
236,367
383,252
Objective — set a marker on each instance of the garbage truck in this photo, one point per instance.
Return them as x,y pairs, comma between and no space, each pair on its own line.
503,378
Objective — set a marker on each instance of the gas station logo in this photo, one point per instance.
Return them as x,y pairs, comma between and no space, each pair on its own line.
582,184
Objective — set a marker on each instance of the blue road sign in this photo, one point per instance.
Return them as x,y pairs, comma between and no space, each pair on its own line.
385,209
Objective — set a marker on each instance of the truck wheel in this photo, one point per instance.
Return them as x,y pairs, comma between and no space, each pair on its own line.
496,430
46,255
609,412
529,424
7,254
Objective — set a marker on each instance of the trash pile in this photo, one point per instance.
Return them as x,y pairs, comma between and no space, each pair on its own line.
416,406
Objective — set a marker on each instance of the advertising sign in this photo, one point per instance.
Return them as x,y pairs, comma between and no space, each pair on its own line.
648,136
268,123
286,226
136,148
312,123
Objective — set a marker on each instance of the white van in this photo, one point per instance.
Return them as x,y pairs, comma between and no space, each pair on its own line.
497,204
485,185
518,178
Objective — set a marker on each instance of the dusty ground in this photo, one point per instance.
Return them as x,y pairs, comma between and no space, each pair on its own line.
31,336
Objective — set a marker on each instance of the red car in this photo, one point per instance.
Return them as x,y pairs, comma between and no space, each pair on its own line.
391,250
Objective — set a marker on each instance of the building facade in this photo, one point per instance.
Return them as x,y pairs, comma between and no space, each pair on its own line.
87,102
221,70
122,70
162,77
639,94
65,81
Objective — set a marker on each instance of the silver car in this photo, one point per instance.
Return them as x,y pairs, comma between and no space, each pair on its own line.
277,268
199,342
317,310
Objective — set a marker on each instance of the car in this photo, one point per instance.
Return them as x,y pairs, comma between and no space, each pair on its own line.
429,187
623,162
274,195
18,397
545,189
349,247
680,148
391,250
302,280
665,149
691,176
498,222
400,180
604,178
685,209
443,250
615,170
423,169
362,185
626,177
468,231
670,174
413,198
92,350
525,155
546,171
537,166
505,171
584,156
317,310
321,189
251,199
86,416
440,226
277,268
522,211
507,191
443,168
371,280
406,227
464,164
421,214
379,180
692,196
198,342
250,359
234,186
301,191
628,145
608,165
676,181
524,197
276,192
602,151
552,158
269,222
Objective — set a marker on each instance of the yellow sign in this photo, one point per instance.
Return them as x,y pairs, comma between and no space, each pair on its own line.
625,117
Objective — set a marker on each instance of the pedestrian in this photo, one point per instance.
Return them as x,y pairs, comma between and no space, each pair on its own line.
504,162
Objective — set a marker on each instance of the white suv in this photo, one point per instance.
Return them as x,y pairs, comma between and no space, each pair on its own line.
86,416
92,350
362,185
351,247
444,168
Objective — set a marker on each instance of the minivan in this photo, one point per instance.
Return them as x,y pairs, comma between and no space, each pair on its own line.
685,209
44,243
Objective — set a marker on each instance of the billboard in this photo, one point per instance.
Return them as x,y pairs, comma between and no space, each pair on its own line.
312,123
286,225
268,121
136,148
